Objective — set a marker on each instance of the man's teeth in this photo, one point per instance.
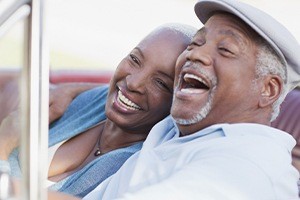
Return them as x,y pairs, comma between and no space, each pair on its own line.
126,102
188,90
194,84
192,76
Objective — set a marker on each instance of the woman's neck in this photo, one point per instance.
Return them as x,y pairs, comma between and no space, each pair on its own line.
114,137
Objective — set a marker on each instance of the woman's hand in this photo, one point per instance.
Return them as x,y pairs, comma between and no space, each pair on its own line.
60,96
9,134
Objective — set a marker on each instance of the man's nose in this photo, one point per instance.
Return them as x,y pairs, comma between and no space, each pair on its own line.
200,54
136,82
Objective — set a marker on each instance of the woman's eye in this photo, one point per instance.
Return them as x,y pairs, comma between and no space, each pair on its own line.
163,85
134,59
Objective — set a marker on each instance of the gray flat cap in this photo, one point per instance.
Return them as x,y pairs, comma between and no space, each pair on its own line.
282,41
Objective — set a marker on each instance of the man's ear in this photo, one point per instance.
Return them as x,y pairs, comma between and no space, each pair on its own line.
271,90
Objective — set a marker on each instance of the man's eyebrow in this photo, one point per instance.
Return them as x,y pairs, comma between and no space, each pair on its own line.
201,31
140,51
231,33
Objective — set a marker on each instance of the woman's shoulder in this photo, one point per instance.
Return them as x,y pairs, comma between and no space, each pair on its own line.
97,92
86,110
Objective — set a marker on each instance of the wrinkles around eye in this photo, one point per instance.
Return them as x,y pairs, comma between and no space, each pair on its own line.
134,59
226,52
163,85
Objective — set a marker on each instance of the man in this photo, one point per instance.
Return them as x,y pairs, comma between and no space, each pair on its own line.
218,144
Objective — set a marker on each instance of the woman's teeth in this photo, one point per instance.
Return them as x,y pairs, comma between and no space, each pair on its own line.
126,102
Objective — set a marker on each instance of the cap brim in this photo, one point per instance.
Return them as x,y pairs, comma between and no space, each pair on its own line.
280,39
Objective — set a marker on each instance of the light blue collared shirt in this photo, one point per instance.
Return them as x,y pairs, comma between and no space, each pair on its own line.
224,161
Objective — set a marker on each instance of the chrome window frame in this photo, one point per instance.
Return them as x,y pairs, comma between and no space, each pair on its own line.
34,93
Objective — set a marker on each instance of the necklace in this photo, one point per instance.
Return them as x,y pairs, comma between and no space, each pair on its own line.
98,152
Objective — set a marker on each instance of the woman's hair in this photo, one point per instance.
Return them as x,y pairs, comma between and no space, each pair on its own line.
268,62
186,30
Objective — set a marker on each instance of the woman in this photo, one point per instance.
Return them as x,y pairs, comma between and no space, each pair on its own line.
104,127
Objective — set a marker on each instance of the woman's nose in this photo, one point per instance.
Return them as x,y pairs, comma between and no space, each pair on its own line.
136,82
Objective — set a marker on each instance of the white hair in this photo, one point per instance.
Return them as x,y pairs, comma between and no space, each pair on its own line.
268,62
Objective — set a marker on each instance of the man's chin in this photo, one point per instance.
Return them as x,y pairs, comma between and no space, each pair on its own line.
184,122
187,127
188,122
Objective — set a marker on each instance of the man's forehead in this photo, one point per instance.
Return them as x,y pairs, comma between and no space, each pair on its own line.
227,25
229,32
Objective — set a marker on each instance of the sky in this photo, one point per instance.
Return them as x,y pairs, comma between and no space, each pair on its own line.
91,34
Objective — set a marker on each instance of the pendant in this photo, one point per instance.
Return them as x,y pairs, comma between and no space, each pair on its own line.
97,152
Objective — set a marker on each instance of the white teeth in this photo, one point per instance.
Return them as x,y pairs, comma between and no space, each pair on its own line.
126,102
192,76
186,90
191,90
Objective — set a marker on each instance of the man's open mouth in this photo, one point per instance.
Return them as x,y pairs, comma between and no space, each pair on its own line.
193,84
126,102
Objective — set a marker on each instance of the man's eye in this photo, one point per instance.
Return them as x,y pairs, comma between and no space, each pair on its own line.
189,47
226,51
197,43
193,43
134,59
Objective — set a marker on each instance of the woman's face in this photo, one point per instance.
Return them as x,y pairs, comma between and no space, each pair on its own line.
141,89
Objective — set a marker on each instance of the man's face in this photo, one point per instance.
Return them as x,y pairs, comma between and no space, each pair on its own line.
215,79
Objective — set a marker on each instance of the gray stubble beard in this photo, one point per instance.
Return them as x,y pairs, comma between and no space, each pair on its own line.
204,111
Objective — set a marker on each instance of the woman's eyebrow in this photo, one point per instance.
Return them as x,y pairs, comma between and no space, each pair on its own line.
166,75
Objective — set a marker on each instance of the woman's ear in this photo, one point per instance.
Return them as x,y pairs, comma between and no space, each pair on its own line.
271,90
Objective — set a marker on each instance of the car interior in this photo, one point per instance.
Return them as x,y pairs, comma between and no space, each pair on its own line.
13,79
